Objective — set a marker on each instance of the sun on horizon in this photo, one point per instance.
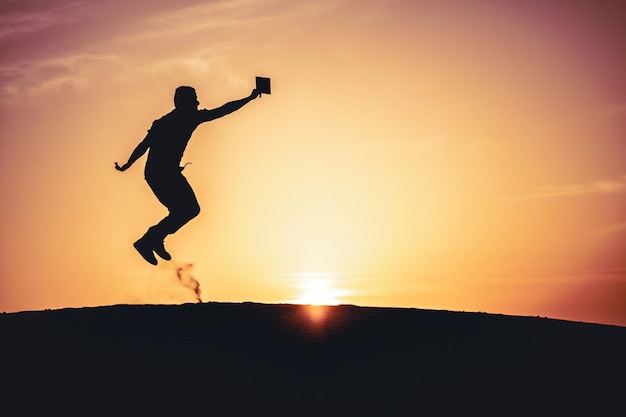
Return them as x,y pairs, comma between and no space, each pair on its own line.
318,289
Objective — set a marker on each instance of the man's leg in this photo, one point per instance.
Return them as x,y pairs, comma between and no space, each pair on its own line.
145,248
175,193
152,241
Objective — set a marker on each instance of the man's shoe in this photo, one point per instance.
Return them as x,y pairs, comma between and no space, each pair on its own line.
144,247
159,249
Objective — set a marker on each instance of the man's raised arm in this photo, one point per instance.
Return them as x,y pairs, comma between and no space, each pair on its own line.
230,107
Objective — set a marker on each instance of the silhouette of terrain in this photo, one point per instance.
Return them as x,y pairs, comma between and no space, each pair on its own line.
260,359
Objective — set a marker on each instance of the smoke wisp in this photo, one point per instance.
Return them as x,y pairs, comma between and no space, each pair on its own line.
186,279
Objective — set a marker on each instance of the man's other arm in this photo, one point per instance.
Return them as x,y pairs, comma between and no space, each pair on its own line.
137,153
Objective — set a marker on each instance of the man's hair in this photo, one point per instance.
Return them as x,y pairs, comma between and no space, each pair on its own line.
185,96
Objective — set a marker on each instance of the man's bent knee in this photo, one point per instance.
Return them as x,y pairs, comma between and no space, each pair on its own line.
193,211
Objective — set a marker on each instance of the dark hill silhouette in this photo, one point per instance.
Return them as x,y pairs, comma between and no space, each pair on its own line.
257,359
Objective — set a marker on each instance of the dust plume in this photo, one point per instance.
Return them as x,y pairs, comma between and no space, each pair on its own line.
183,273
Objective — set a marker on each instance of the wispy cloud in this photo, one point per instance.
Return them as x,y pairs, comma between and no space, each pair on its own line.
22,18
228,15
34,78
602,187
617,110
193,19
614,228
188,37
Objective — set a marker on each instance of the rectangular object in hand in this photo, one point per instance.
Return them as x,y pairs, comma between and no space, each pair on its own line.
263,85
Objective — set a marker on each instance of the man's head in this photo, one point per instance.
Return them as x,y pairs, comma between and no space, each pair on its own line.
185,98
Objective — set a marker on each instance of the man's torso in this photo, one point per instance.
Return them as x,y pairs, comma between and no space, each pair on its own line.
168,138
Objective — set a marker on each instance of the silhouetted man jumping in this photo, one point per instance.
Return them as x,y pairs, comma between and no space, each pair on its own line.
166,141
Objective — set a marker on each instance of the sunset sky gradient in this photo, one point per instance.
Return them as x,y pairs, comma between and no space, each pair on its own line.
432,154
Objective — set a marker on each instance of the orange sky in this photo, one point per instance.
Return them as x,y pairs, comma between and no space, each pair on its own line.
432,154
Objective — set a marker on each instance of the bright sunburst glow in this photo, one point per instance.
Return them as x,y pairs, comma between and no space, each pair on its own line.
317,289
